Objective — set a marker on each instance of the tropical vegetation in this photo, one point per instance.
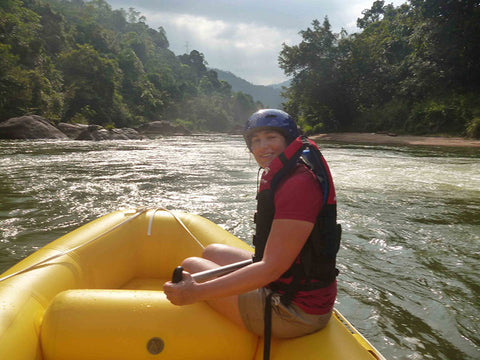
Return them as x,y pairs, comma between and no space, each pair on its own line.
83,62
412,69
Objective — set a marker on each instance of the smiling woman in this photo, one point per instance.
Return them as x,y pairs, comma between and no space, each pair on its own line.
290,288
267,145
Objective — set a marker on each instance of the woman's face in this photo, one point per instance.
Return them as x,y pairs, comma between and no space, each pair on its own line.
266,146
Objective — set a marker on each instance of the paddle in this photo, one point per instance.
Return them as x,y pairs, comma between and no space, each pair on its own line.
210,274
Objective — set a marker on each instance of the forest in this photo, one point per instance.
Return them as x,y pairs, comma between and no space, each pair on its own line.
82,62
411,69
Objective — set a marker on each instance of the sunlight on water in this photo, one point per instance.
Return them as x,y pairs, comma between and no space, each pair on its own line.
410,224
410,251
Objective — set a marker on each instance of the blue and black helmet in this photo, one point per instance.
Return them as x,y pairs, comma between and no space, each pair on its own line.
271,119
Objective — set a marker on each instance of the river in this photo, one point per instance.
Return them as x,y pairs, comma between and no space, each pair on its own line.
410,255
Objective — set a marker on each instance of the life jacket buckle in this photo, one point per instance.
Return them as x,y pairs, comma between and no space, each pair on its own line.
276,299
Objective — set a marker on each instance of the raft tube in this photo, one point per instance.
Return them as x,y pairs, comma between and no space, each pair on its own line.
96,294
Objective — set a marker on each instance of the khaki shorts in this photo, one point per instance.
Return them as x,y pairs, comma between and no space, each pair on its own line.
287,321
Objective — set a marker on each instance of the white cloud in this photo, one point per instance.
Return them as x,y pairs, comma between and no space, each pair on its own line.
242,48
245,37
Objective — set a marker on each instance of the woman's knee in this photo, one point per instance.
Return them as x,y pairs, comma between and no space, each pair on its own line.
194,264
214,251
224,254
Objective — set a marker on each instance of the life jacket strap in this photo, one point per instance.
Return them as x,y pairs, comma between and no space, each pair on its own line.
267,327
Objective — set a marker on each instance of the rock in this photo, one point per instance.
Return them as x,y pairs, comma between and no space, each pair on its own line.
125,134
98,133
29,127
36,127
72,130
95,133
163,128
117,134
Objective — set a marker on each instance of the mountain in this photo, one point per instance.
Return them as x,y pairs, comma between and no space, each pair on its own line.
281,85
270,96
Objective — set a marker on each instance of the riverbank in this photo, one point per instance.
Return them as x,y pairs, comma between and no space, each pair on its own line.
390,139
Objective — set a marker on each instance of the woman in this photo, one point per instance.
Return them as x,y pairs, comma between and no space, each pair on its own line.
296,241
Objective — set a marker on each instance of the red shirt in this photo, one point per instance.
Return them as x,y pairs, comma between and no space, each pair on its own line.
299,197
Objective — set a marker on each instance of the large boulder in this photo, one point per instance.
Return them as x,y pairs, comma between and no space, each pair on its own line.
73,131
162,128
125,134
29,127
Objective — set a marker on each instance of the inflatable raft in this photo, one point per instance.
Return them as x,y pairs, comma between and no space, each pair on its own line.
96,293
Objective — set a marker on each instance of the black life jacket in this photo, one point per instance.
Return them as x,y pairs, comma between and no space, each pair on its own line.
315,266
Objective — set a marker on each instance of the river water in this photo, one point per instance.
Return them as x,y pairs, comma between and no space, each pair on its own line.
410,256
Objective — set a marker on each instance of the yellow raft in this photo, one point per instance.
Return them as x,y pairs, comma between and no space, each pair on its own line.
96,293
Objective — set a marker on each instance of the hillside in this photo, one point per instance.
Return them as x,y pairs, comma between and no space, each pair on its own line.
269,96
84,62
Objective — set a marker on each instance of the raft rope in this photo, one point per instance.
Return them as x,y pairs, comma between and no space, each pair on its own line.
149,232
137,213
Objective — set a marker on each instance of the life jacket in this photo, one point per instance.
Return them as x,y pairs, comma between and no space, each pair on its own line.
315,266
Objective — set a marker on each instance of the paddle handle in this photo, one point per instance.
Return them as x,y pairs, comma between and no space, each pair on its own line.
212,273
177,274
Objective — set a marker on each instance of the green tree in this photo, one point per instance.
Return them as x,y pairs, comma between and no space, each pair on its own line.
20,28
53,33
316,95
14,97
82,61
243,107
372,15
94,81
449,38
196,61
413,68
141,95
29,82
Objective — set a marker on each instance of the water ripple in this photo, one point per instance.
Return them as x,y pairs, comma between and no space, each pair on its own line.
410,254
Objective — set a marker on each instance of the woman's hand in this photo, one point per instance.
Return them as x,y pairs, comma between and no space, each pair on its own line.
182,293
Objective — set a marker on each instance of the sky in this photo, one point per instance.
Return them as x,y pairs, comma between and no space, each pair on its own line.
244,37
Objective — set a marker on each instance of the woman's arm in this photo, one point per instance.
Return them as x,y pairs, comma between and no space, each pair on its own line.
284,244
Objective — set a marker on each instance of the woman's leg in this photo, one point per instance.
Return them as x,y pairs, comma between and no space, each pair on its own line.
213,256
224,254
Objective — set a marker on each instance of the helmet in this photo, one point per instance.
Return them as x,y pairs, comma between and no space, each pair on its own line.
271,118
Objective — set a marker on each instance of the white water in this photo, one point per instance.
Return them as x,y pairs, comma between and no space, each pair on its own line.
410,253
